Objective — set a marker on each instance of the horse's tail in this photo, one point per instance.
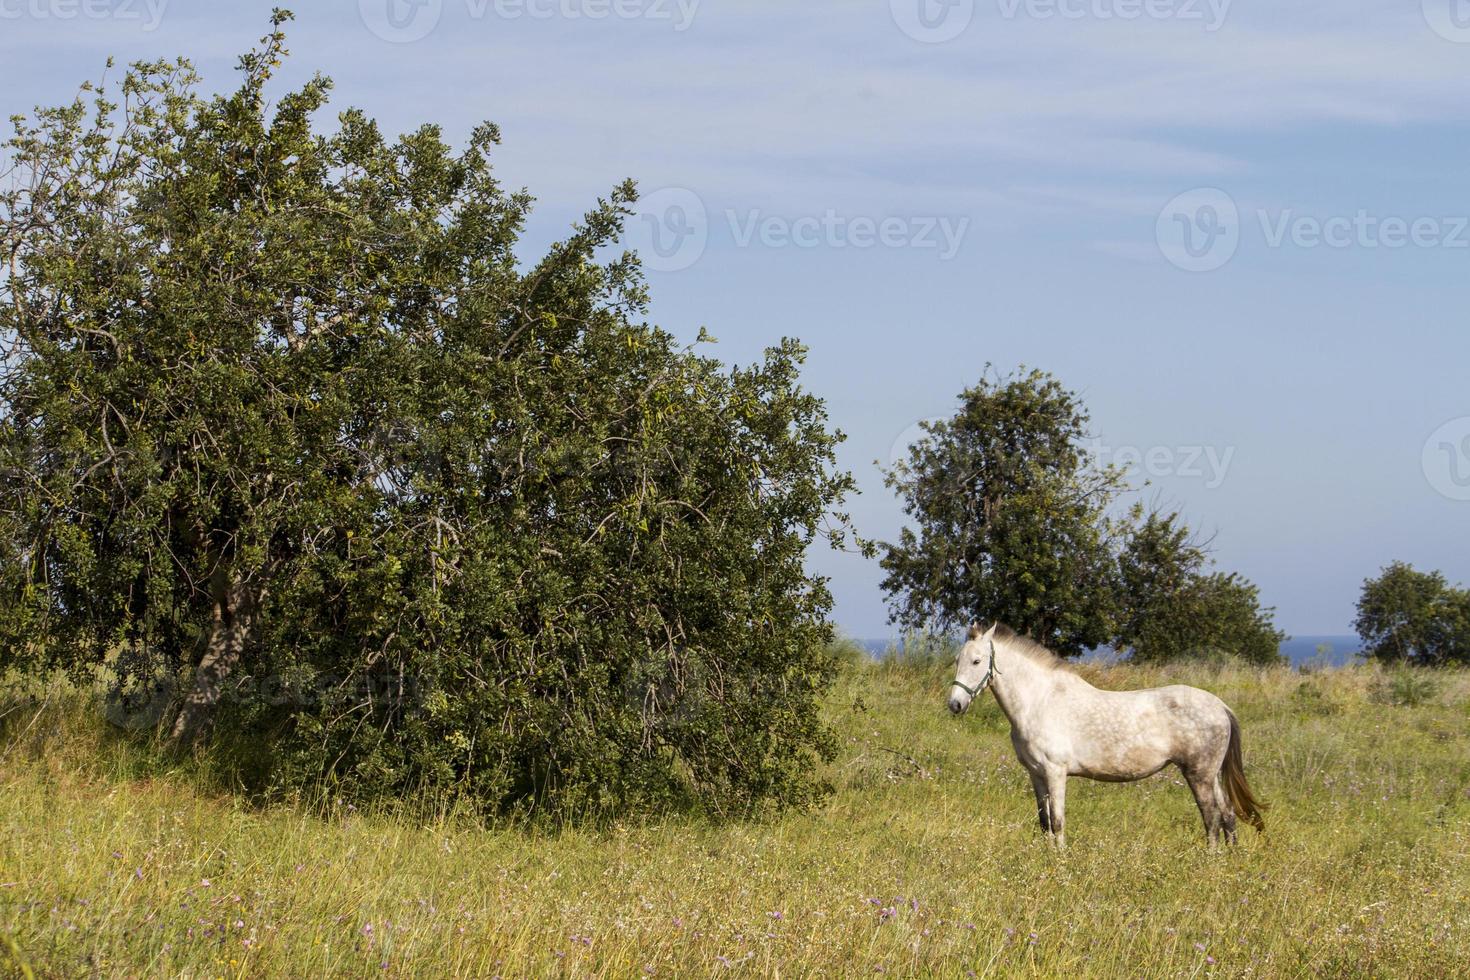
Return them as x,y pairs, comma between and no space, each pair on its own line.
1232,778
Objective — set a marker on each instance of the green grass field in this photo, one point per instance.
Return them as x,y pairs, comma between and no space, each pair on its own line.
925,861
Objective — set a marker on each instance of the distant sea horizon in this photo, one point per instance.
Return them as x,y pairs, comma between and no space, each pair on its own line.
1335,650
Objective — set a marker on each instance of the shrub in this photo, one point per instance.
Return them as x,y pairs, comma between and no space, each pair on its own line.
920,650
1309,699
1406,687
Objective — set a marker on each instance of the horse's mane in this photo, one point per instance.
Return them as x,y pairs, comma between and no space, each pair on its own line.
1028,647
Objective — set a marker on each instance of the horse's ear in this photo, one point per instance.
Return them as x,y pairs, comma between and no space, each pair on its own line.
990,633
974,631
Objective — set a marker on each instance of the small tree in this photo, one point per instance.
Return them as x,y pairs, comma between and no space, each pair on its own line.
1010,518
1172,608
1410,616
1011,523
285,416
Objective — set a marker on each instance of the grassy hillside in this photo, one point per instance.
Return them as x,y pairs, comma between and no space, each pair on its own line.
925,861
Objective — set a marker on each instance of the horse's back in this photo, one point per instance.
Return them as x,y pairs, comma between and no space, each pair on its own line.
1200,724
1182,697
1129,734
1174,699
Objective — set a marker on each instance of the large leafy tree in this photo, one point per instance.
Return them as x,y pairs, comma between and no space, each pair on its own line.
285,417
1008,518
1408,615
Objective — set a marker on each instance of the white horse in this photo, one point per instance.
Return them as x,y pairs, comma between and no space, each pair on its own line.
1063,726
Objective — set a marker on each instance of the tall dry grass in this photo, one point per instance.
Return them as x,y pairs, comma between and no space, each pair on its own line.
925,861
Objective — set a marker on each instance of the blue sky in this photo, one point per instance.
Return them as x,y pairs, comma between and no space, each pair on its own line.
1237,228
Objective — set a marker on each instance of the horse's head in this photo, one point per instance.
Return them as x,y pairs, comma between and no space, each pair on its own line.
974,668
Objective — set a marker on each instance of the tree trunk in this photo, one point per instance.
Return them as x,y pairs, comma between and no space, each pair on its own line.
234,613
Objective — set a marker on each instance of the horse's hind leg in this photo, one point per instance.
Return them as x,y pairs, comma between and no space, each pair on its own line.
1205,788
1227,812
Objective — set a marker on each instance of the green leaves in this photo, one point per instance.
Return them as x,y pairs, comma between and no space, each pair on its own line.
1172,607
1011,519
1012,523
1414,617
453,522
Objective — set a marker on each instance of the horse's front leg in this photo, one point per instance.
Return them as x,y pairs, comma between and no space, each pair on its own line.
1056,798
1043,803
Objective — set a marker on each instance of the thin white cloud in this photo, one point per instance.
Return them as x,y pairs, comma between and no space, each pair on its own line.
766,103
